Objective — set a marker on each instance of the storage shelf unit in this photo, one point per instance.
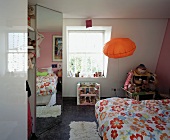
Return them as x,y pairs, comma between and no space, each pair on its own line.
140,95
88,93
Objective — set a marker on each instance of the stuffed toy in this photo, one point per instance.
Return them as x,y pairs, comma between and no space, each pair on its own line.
30,57
140,80
31,10
130,75
141,70
153,82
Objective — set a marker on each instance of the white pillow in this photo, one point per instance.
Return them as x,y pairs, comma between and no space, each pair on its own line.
50,70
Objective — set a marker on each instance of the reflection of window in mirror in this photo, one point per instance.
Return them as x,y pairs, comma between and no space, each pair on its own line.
17,52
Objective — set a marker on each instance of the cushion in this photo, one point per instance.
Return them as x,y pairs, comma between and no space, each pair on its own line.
50,70
42,73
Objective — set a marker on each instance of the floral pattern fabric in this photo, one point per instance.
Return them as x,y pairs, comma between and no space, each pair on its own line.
128,119
46,85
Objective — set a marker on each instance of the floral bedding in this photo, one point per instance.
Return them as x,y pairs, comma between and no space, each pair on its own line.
46,85
128,119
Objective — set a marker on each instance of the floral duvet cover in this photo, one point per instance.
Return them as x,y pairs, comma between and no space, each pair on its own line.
46,85
128,119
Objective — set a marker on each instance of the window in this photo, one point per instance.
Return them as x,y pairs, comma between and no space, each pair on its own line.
17,52
85,53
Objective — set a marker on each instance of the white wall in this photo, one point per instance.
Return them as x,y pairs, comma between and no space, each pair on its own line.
13,95
146,33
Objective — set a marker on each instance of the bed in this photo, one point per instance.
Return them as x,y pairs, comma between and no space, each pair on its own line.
128,119
46,89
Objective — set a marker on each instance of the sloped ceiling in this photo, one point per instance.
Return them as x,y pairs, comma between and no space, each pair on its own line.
48,20
108,8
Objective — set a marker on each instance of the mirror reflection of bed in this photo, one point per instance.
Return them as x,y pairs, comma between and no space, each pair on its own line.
46,87
47,108
48,95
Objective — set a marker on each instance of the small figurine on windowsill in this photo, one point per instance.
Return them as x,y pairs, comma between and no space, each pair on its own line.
77,74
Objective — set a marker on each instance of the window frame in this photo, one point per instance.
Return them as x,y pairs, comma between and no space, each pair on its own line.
86,52
107,35
24,52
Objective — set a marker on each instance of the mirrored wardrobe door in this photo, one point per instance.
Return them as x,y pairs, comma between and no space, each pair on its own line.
48,61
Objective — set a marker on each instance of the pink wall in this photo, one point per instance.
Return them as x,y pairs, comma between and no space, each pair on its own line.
46,59
163,65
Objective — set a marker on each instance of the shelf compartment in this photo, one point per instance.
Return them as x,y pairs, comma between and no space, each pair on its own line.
88,95
30,47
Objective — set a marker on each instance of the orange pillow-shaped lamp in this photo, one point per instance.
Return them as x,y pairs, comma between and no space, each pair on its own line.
119,47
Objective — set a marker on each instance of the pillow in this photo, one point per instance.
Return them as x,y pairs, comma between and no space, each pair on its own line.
50,70
42,73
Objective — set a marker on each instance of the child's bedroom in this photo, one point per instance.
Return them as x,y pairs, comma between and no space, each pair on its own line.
85,70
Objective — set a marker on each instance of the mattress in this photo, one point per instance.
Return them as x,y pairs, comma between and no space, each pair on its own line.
46,85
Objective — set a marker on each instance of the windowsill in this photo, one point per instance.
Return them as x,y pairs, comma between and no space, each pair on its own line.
85,77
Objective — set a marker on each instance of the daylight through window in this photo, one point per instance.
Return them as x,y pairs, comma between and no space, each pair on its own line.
85,53
17,52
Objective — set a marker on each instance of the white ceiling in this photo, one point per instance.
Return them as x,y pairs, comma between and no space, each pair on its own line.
108,8
48,20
